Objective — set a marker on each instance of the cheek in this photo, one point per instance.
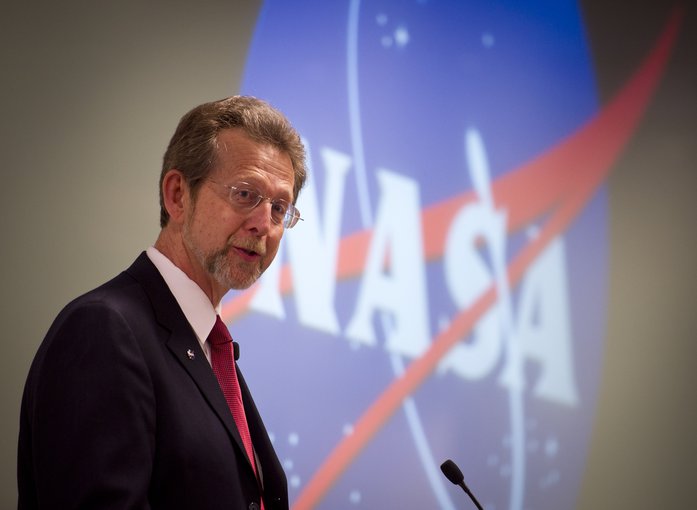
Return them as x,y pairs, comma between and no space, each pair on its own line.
214,227
271,249
200,228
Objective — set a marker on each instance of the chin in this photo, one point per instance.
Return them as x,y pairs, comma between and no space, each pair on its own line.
240,281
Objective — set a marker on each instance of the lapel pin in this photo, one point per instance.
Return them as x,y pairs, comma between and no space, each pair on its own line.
191,354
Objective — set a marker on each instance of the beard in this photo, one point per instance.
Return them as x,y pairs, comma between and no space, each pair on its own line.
228,271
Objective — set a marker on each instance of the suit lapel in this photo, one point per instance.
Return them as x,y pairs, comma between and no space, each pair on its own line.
183,344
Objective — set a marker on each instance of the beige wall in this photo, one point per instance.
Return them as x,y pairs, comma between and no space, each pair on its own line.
91,94
644,451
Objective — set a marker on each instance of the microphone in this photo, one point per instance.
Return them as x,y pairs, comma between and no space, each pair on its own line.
236,350
453,473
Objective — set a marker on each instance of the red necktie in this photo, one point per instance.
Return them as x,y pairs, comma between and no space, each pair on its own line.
224,369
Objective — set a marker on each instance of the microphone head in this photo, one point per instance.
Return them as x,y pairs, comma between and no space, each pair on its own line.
452,472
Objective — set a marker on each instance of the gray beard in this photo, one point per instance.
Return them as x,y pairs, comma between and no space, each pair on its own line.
217,264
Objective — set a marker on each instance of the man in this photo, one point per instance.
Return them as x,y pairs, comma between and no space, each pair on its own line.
129,402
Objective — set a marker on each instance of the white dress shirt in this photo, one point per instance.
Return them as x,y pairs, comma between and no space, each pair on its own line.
197,308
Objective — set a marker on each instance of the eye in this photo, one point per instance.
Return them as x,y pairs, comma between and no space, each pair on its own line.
279,207
244,196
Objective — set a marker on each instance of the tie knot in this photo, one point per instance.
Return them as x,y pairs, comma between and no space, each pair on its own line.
219,335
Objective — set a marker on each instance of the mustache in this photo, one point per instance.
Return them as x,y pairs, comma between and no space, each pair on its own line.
251,245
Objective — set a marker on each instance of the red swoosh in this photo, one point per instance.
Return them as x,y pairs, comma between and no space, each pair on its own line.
561,180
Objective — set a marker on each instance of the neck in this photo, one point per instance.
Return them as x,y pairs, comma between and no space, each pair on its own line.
172,246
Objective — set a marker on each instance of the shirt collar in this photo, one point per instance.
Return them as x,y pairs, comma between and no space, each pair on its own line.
197,308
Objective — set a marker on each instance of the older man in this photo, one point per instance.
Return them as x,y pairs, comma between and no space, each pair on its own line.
134,400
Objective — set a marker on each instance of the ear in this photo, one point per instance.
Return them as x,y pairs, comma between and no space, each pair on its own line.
175,194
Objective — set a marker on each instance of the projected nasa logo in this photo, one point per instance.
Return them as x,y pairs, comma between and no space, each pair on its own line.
444,297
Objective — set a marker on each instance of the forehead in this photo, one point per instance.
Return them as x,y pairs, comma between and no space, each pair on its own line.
240,158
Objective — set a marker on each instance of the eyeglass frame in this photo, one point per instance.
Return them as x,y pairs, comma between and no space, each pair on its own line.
290,217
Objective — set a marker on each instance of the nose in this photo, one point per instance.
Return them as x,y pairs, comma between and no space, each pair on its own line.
259,218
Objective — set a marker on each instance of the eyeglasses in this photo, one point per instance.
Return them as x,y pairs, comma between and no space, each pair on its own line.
245,197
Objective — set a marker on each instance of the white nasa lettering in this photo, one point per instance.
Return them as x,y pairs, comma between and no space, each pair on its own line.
543,329
313,253
401,292
394,282
466,274
541,332
468,277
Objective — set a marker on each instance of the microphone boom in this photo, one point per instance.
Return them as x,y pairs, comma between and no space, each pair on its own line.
453,473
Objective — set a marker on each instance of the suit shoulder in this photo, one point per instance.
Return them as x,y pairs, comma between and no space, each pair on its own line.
99,312
120,294
108,311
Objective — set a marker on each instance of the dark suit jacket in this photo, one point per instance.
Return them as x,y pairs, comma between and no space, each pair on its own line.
116,414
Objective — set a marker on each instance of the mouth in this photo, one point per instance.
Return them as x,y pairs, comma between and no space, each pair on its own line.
247,253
